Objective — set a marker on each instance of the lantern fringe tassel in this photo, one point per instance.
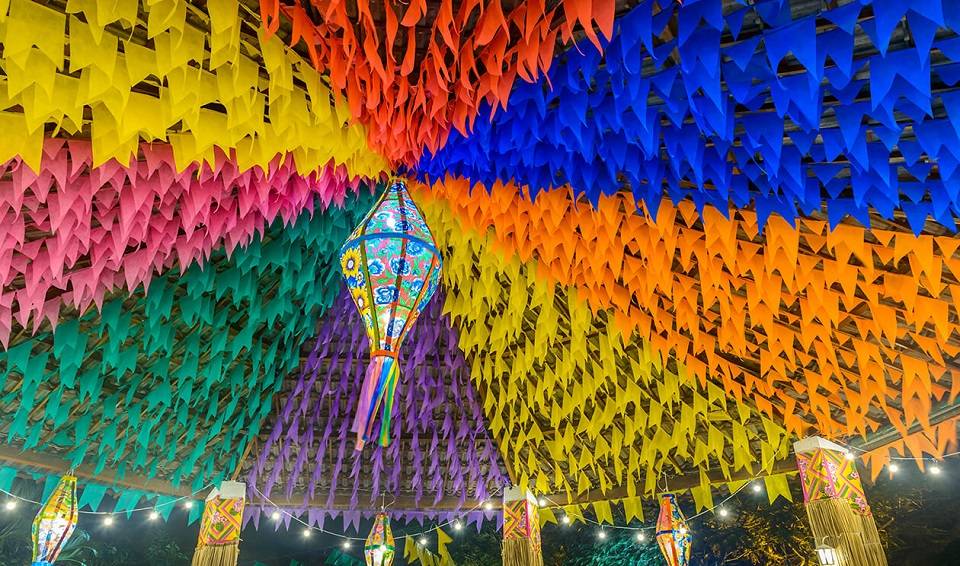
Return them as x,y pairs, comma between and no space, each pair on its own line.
378,390
852,533
221,555
519,552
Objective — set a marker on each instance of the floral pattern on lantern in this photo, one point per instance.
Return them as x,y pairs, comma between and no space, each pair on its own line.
673,536
392,268
55,522
379,548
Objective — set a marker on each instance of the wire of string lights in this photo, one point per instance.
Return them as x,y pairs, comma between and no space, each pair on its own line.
720,509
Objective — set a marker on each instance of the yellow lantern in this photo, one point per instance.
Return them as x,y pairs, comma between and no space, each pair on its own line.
55,522
379,548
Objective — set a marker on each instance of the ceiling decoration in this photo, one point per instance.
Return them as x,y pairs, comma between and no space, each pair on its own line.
840,331
440,454
167,71
676,237
73,233
412,71
174,383
848,111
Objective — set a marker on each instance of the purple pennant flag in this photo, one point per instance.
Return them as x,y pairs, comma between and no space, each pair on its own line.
440,448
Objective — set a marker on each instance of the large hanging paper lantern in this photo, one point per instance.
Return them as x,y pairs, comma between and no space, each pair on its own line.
55,522
219,541
392,268
379,548
673,536
840,518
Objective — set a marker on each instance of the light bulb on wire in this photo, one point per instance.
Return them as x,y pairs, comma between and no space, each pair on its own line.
275,516
935,470
602,535
457,525
487,506
346,545
10,505
640,536
422,541
893,468
188,504
542,502
108,521
757,488
306,533
722,512
154,516
565,520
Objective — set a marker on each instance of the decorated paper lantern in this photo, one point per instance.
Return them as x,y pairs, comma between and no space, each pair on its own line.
392,268
379,548
219,541
673,536
55,522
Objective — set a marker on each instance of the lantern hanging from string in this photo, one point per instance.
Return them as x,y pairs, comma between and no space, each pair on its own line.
392,269
219,540
379,548
673,536
55,522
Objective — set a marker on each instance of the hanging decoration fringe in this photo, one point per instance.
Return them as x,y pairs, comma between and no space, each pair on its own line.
392,269
55,522
378,390
219,542
836,504
673,535
521,529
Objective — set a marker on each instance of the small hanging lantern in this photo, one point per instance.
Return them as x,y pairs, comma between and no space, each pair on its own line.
55,522
522,545
673,536
219,540
379,548
837,506
392,268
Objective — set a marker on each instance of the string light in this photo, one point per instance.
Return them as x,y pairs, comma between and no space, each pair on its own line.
487,506
565,520
346,545
722,511
418,537
893,467
935,470
275,516
154,516
850,456
188,504
107,521
10,505
602,535
756,487
542,502
641,537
